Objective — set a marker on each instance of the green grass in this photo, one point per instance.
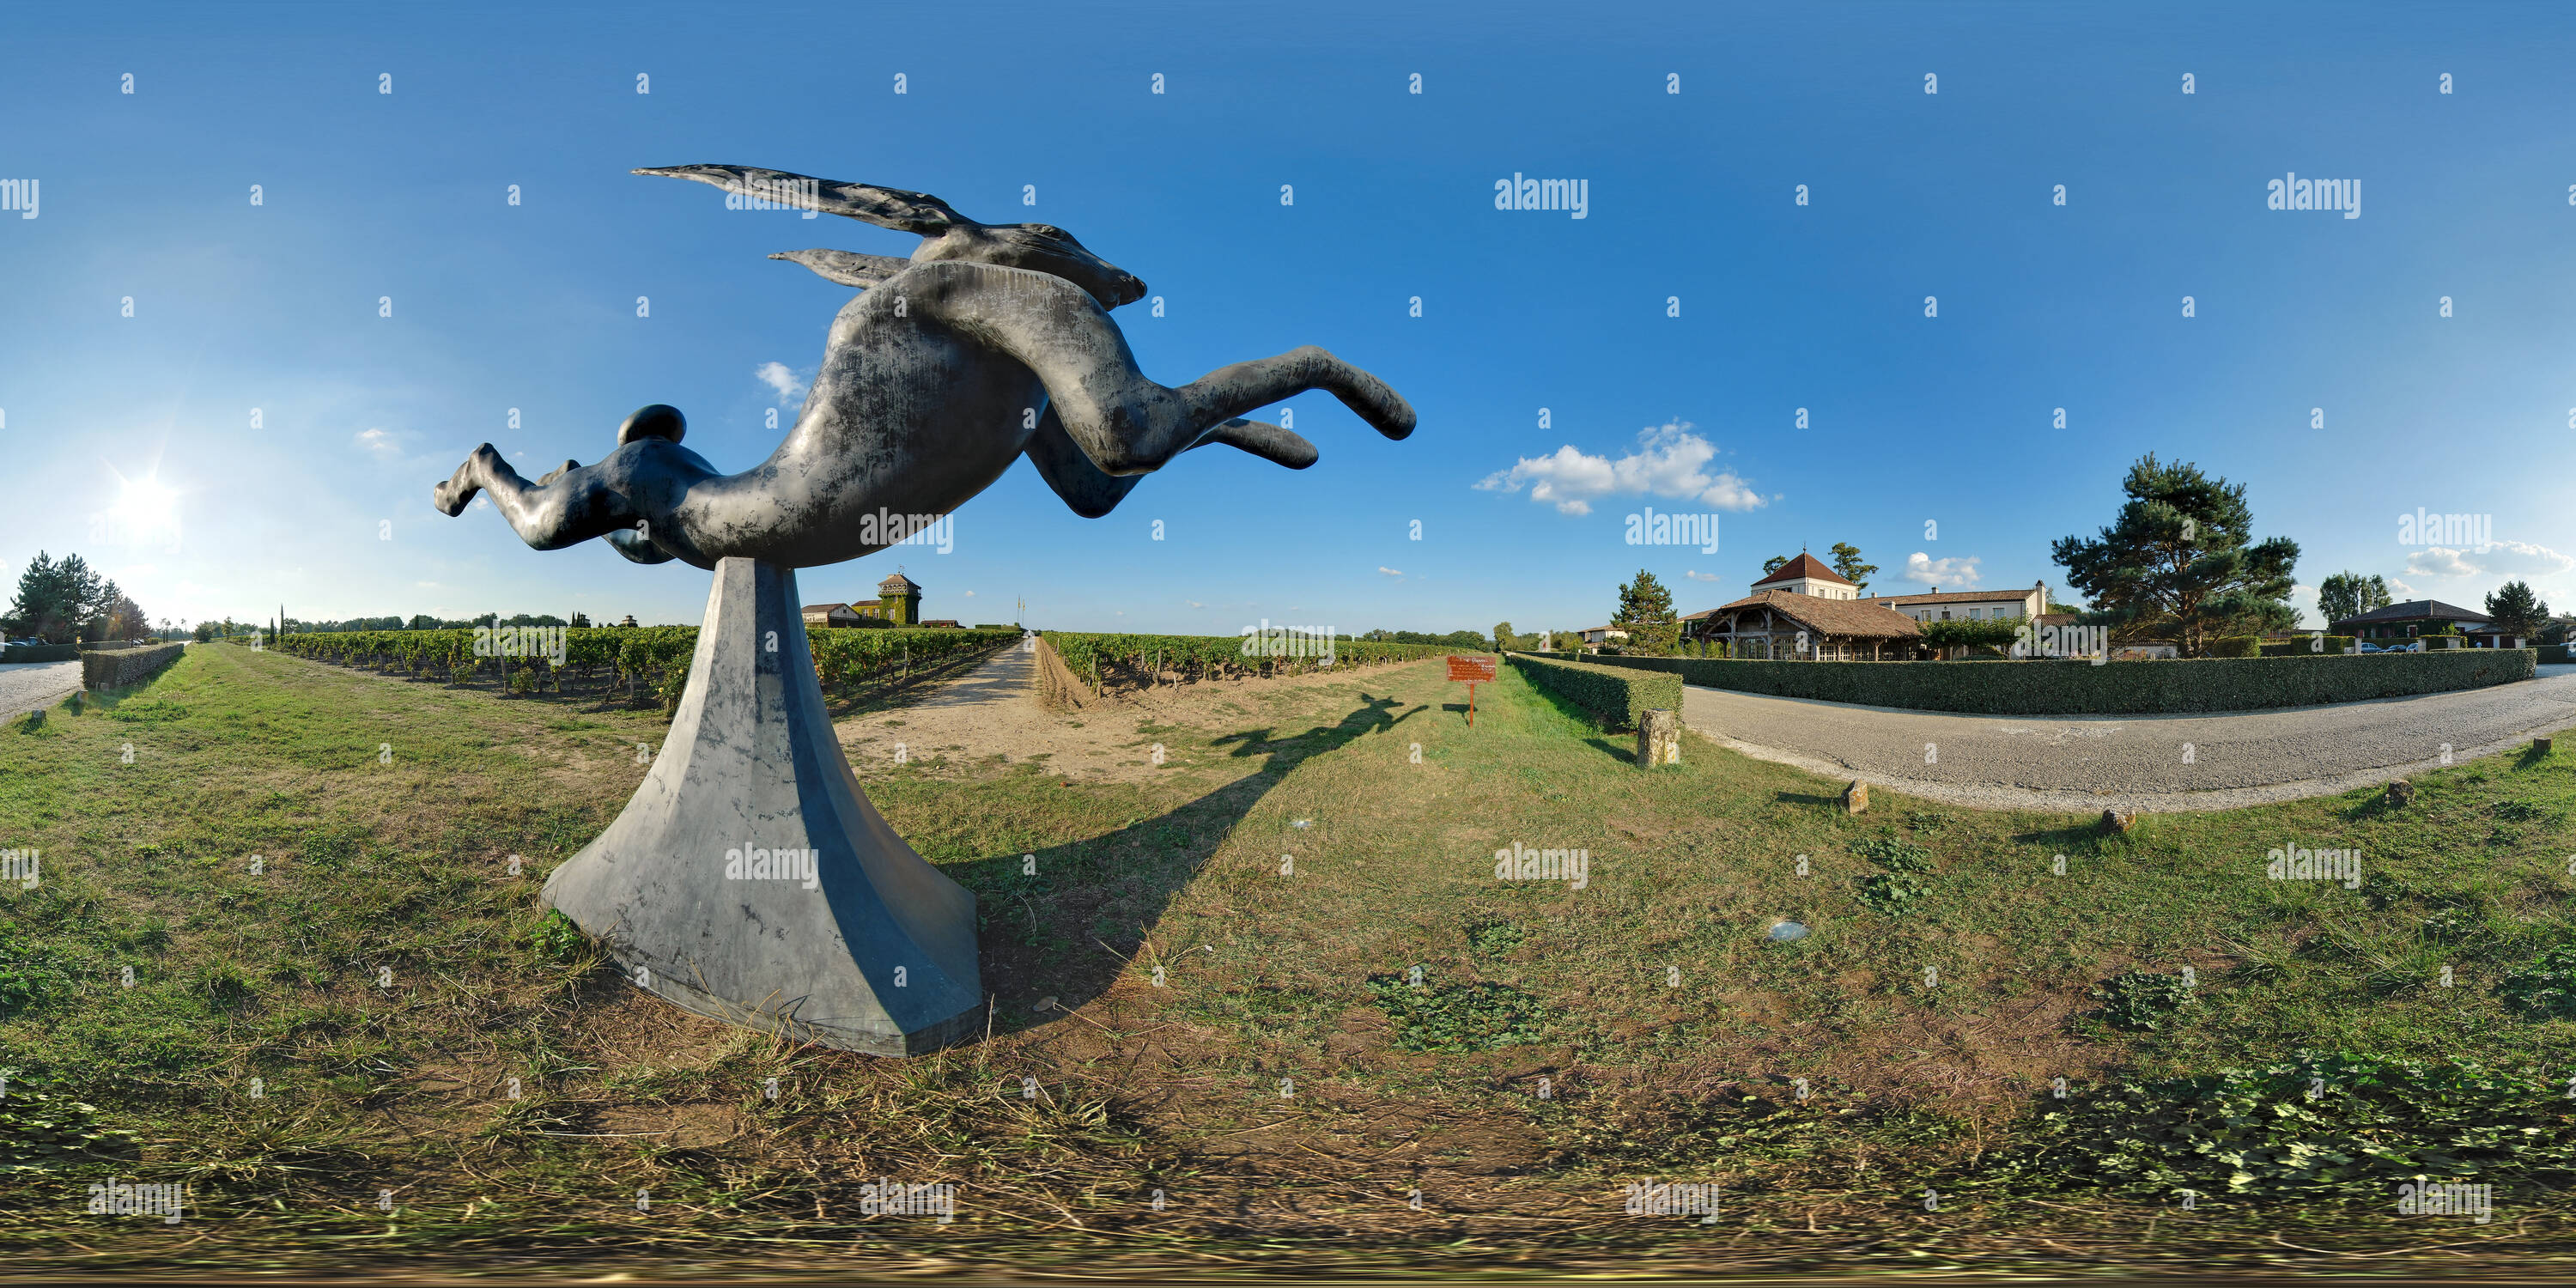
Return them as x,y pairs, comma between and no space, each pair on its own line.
385,977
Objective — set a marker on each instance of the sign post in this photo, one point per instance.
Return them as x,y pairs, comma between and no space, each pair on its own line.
1473,670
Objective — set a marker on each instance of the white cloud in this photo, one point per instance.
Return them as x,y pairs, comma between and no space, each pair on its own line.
382,443
1384,569
1696,575
1193,603
2507,559
1958,573
2436,561
2399,592
2523,559
970,594
1669,462
789,386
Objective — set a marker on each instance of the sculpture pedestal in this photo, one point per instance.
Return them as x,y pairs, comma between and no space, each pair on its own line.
700,888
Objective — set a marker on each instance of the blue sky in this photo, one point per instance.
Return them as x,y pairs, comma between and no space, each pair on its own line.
1948,420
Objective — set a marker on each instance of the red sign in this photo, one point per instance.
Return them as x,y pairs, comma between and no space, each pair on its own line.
1474,670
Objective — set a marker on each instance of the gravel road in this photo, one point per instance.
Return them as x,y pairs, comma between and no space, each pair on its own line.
2153,764
25,686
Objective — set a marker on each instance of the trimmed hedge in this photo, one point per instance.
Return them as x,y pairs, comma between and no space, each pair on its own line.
2294,648
2052,688
40,653
118,667
1615,695
2555,653
2236,646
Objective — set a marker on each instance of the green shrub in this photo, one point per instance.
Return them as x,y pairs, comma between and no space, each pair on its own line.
1458,1017
557,938
1615,696
43,1131
40,653
2236,646
2141,1001
2555,653
1893,893
1894,855
2050,687
2546,989
2323,1124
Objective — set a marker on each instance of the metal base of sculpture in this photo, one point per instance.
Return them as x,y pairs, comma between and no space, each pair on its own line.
749,879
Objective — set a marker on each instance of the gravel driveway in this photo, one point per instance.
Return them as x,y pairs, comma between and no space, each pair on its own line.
25,686
2088,763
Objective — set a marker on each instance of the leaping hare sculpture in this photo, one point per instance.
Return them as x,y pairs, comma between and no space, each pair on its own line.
991,341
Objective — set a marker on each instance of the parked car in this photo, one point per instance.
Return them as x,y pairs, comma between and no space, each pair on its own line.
2410,646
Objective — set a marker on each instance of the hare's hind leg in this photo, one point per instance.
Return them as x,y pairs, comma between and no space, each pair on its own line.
571,506
1127,424
1092,492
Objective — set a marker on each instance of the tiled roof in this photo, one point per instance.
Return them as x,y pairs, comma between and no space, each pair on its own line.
1954,596
826,608
1849,618
897,582
1804,565
2416,610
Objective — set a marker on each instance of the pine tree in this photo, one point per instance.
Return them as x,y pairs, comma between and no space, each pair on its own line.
2180,559
1847,562
2516,610
1646,613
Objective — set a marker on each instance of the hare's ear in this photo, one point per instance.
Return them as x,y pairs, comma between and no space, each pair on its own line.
845,267
911,212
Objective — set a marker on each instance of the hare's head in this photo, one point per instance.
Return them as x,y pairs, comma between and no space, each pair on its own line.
1039,248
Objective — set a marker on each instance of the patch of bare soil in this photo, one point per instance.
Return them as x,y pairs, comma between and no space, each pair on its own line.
992,716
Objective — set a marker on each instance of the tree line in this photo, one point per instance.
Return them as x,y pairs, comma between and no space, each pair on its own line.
65,601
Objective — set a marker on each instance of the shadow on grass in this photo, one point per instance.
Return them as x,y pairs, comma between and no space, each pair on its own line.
1043,934
2087,837
1805,798
1601,738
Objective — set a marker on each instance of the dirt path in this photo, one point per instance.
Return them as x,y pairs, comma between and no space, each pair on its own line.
992,714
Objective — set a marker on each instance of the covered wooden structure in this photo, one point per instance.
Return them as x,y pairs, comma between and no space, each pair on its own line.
1768,624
